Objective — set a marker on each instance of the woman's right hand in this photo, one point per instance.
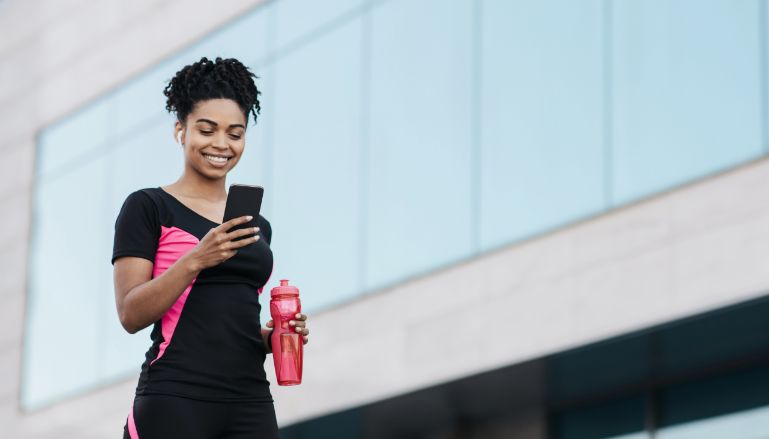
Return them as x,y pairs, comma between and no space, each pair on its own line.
218,245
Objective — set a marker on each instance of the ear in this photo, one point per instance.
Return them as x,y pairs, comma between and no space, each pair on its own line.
178,130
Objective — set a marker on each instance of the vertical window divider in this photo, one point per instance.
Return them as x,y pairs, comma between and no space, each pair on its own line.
365,142
608,117
269,86
476,132
763,72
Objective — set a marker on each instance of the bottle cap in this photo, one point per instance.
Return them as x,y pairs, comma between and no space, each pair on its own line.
284,288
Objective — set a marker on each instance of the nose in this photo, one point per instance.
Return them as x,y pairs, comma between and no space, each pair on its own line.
219,141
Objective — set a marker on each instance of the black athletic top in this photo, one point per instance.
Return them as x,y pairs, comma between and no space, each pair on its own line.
208,345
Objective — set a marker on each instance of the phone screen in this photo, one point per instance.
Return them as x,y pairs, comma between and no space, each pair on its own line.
243,200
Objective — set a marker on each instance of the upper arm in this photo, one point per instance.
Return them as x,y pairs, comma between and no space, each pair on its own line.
129,272
137,230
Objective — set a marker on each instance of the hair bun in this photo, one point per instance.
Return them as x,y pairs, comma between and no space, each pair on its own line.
219,79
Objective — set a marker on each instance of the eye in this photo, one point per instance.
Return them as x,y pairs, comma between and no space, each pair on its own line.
206,132
235,137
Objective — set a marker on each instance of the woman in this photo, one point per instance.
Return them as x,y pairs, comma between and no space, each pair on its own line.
179,268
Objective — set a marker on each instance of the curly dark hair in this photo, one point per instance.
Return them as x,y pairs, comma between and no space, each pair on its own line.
206,79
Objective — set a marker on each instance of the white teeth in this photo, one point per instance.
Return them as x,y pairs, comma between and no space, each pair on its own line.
214,158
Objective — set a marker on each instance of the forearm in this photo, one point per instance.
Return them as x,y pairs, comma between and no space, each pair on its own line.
147,303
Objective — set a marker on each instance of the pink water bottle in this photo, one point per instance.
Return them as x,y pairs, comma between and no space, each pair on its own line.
287,344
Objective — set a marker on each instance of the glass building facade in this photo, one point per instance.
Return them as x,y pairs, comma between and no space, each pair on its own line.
406,136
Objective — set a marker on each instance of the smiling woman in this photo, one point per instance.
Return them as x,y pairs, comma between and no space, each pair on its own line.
212,101
213,137
178,267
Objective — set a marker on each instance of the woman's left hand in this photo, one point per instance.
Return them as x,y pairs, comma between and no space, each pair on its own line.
299,324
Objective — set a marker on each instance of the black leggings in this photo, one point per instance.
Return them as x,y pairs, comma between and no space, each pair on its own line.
164,416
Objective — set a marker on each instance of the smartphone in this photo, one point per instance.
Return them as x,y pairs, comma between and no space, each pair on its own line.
243,199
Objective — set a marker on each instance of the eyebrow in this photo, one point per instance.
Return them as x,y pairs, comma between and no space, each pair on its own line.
234,125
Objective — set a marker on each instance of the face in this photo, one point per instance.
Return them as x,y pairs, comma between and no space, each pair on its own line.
213,136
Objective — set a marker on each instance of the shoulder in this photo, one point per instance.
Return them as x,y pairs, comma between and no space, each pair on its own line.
142,195
143,201
153,196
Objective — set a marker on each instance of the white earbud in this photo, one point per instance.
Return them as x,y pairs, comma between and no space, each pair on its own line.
179,138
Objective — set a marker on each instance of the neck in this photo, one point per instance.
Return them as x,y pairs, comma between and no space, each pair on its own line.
193,184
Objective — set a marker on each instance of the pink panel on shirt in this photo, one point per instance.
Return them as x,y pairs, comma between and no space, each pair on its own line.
173,244
132,424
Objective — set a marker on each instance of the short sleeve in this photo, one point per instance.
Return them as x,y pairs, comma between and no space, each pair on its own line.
266,229
137,228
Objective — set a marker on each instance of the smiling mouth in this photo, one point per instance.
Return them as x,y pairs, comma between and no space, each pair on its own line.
217,159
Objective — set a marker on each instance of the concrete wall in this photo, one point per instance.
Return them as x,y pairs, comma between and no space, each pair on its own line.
690,250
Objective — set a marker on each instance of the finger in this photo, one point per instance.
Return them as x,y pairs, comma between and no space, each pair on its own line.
300,316
303,331
306,340
244,242
229,236
234,222
270,323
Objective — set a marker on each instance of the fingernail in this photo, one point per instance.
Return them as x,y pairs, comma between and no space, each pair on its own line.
298,316
298,329
249,217
256,229
292,323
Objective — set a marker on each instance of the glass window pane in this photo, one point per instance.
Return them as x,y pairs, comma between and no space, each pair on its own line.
738,403
66,144
299,18
315,188
618,419
541,116
141,101
419,212
749,424
686,91
154,151
245,38
623,362
704,342
67,273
